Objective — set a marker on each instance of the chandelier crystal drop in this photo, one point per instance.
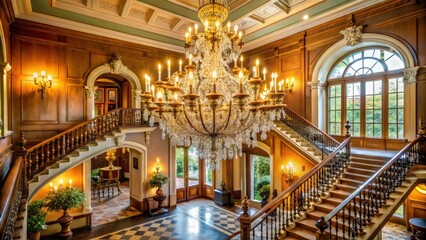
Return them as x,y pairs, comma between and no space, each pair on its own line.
214,103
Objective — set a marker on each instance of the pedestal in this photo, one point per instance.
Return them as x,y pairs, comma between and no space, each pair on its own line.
222,197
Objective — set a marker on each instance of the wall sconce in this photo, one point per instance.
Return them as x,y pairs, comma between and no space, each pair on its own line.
289,85
288,173
157,167
43,83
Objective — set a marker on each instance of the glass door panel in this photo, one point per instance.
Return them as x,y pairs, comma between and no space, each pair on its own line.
373,109
187,174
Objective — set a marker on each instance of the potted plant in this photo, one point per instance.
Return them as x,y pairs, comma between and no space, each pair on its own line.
264,192
158,180
36,218
95,174
64,199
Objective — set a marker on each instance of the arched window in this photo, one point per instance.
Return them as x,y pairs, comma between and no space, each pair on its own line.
366,88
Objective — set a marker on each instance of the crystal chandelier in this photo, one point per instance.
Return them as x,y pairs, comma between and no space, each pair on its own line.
213,103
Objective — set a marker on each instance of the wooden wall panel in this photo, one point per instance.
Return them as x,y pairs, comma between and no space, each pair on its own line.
77,63
37,110
37,57
290,62
40,134
75,103
69,56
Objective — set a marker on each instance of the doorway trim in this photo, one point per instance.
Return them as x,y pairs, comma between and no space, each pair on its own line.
115,66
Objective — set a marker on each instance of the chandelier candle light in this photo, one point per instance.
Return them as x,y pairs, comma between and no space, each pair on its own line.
208,104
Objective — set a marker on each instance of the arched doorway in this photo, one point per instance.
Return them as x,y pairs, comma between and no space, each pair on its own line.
116,72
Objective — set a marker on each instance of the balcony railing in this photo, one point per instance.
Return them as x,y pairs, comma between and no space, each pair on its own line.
48,152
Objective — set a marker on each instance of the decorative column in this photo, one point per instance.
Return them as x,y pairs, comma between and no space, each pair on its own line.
90,97
410,121
136,95
318,104
4,100
87,185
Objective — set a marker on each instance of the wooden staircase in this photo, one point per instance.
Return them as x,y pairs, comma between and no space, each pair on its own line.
361,168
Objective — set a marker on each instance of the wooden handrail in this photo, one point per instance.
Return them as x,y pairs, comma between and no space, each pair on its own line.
272,205
311,125
51,150
9,202
370,180
71,130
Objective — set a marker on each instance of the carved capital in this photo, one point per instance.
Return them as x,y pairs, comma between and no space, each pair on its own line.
137,95
352,35
91,91
410,75
316,85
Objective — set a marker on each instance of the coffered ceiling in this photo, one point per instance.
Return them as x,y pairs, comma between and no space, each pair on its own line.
162,23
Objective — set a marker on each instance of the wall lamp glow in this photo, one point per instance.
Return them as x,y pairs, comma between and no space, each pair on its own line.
288,173
43,83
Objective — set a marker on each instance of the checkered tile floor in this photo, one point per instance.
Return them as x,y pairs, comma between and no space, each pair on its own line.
208,222
181,226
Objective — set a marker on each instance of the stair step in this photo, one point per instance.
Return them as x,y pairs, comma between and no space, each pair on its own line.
325,207
346,187
379,162
340,194
333,200
17,234
316,214
308,224
365,165
366,172
352,182
356,176
301,233
19,224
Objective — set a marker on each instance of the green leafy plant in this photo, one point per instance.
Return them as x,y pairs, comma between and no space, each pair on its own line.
265,191
36,216
158,180
95,172
64,199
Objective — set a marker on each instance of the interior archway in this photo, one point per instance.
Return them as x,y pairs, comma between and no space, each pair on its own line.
113,69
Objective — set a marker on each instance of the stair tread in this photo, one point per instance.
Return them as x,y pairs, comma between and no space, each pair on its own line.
302,233
352,181
365,165
341,185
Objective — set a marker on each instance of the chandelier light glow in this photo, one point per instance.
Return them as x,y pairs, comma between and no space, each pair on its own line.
214,103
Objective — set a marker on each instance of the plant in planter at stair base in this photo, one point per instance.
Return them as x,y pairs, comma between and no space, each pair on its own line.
64,199
36,220
264,193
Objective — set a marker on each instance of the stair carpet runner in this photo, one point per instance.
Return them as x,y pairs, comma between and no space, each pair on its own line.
360,169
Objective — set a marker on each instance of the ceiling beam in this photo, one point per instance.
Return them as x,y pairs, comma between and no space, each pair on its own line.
127,5
257,19
152,17
177,25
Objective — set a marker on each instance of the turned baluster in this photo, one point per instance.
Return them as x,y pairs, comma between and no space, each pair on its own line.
77,137
36,161
29,164
54,150
85,140
48,160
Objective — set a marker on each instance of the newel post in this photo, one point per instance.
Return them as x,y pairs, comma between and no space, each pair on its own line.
321,224
348,135
245,220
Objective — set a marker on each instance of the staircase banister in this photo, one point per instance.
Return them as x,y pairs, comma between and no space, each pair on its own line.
272,205
29,150
312,125
8,193
343,204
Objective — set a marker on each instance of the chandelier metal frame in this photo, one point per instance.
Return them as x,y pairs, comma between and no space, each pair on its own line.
209,104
